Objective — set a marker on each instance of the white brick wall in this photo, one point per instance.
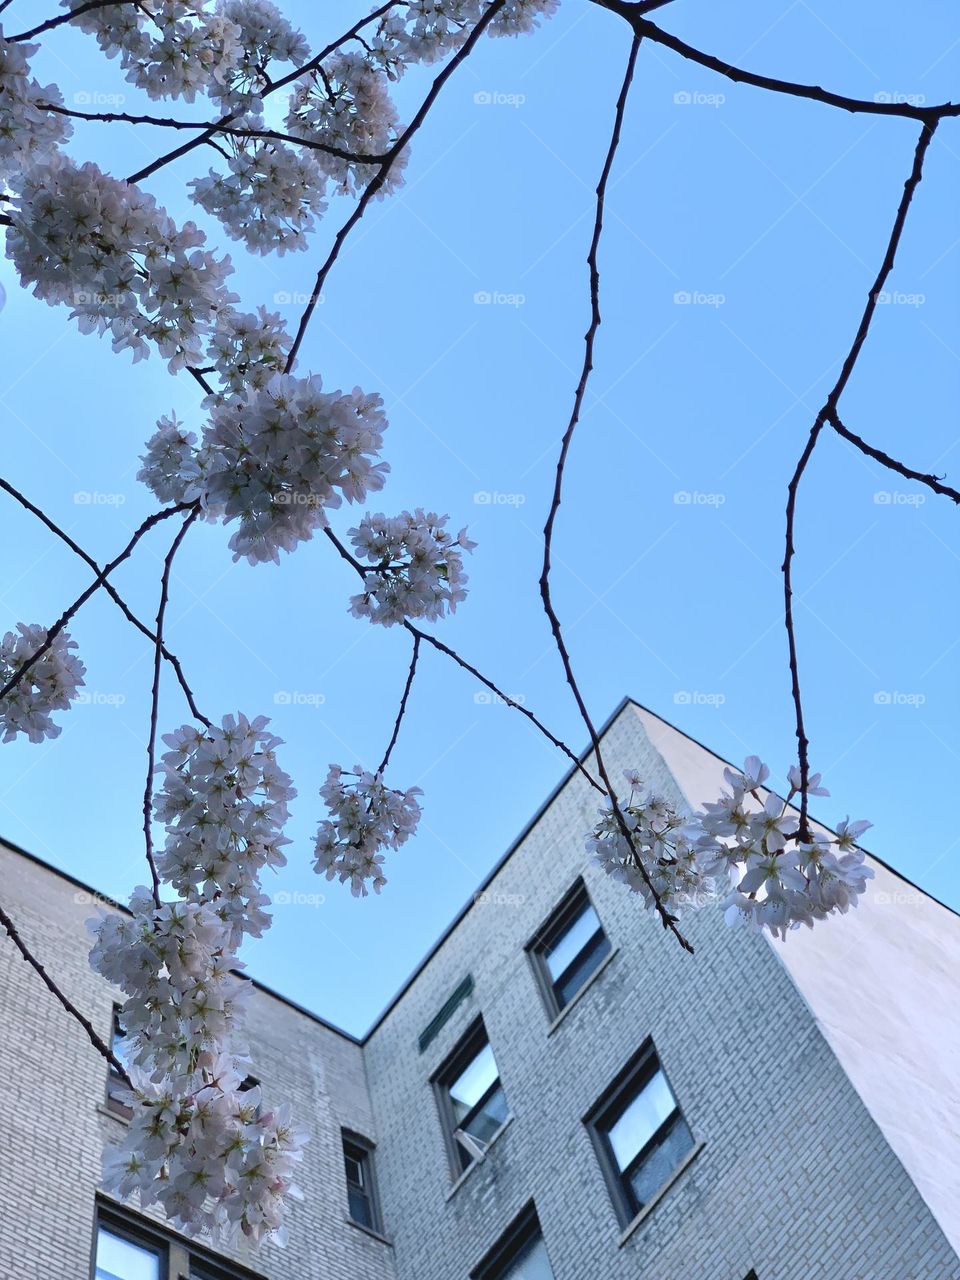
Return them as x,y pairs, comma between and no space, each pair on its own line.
794,1178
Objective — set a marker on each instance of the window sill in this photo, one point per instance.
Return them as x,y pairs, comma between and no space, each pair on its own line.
649,1207
572,1004
369,1231
476,1163
122,1117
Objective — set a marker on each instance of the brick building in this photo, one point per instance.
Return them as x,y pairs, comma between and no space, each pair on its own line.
558,1091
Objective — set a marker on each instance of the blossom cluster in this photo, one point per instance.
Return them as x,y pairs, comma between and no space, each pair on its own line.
274,460
418,569
51,683
28,132
109,251
744,849
198,1144
426,30
365,817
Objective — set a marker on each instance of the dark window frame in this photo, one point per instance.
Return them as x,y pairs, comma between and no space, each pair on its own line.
522,1231
470,1045
114,1083
175,1251
564,914
625,1088
362,1150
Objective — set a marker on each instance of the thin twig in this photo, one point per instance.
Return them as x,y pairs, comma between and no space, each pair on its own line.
633,14
380,177
155,702
98,582
403,705
58,21
931,481
111,592
68,1004
669,920
828,411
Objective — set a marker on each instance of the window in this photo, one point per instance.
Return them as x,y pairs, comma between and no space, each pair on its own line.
640,1134
569,948
119,1257
519,1255
472,1102
129,1248
362,1201
119,1047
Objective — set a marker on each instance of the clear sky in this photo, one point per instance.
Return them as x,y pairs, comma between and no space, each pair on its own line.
774,213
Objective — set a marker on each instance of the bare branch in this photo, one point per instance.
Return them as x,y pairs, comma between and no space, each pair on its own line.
111,592
380,177
68,1004
98,582
829,411
155,701
931,481
669,921
403,704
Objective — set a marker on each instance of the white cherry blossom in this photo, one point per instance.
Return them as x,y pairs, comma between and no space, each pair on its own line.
51,684
418,569
366,816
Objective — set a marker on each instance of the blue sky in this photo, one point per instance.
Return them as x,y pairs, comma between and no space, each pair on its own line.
773,214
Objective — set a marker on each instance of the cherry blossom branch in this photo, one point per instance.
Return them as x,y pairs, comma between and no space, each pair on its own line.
98,582
58,21
403,705
68,1004
829,411
633,14
282,83
461,662
378,179
931,481
669,920
155,701
212,128
111,592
